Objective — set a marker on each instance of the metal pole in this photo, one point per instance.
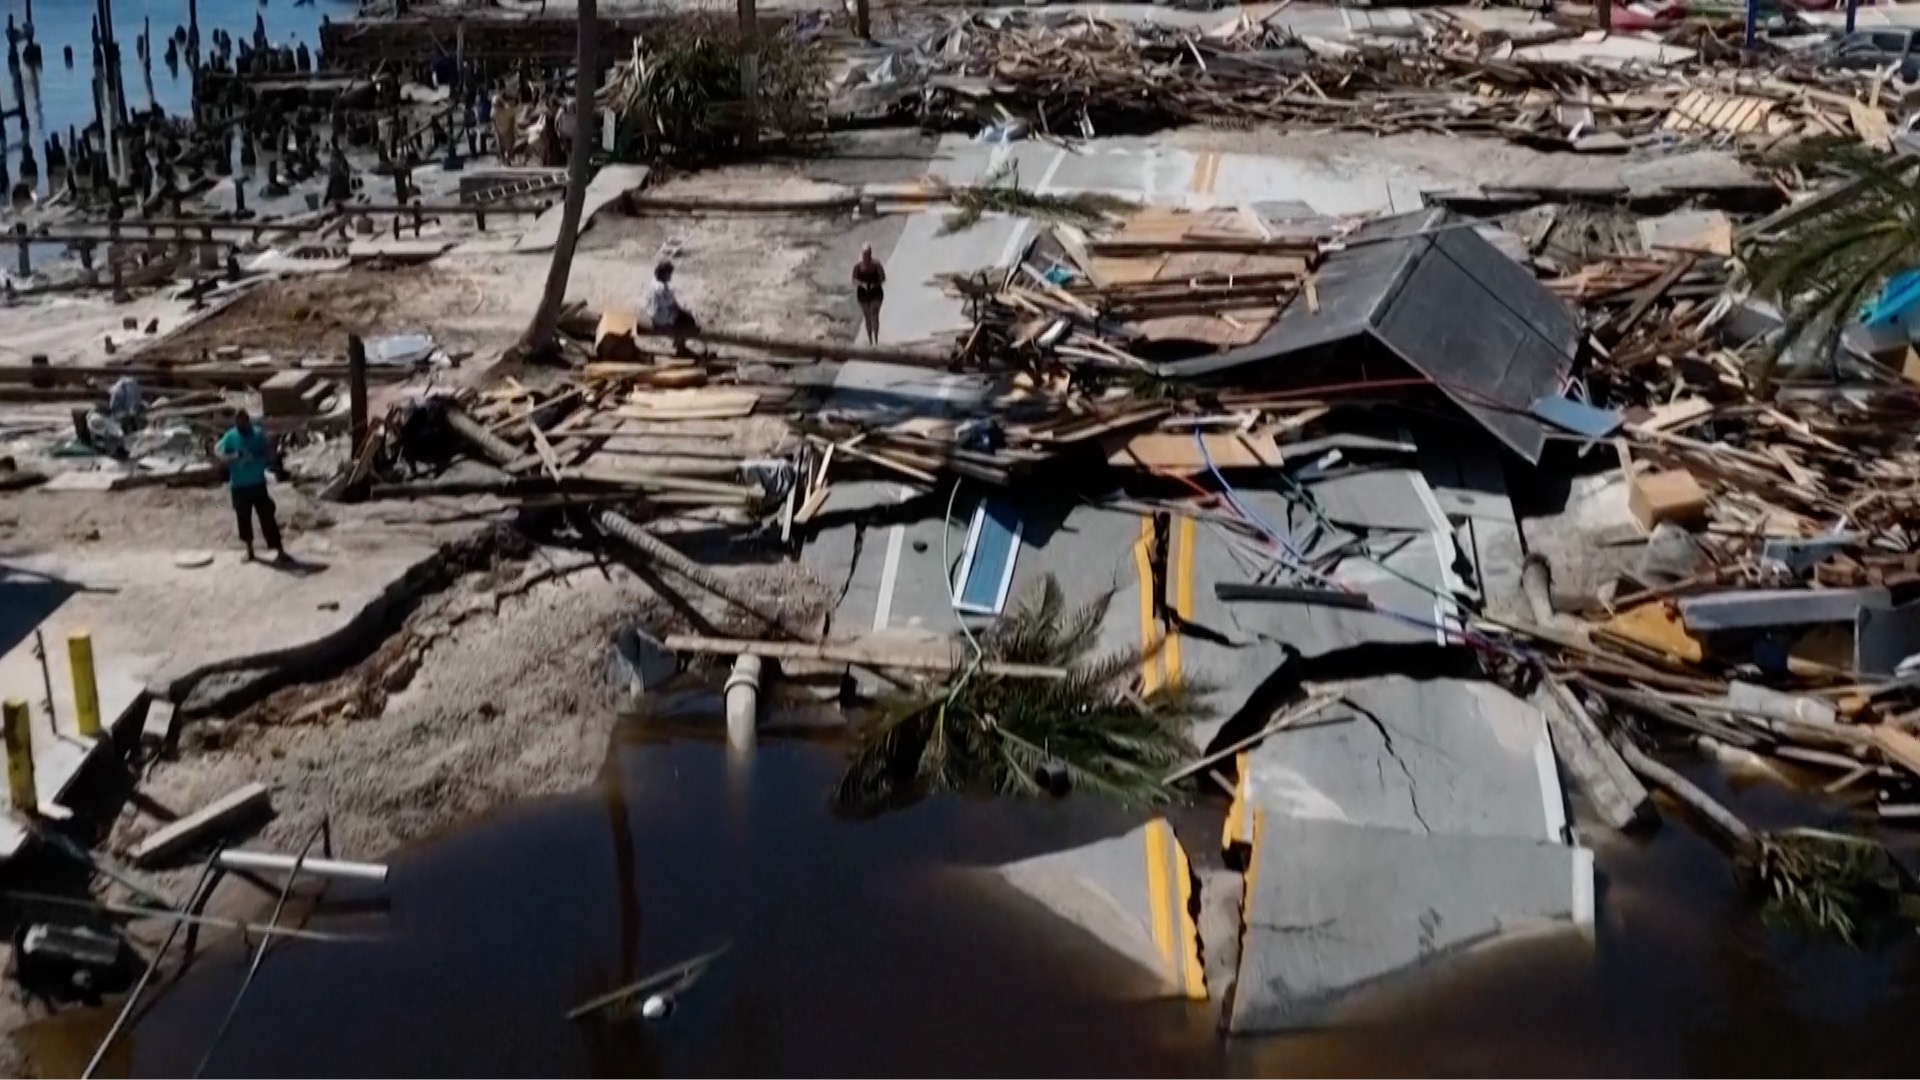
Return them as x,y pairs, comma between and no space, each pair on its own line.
326,868
1853,7
1753,19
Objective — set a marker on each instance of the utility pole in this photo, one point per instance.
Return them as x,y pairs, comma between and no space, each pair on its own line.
750,68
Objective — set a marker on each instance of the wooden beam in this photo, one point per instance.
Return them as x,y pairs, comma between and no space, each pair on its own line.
811,349
862,653
221,814
211,375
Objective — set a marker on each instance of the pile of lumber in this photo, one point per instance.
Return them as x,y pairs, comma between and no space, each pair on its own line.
1081,76
1215,278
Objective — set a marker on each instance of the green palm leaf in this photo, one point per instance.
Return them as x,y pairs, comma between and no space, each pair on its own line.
998,734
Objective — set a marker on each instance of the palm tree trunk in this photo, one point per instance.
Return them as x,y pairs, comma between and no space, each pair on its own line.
542,332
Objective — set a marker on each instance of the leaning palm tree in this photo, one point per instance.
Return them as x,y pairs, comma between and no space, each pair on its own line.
543,332
1823,265
1007,735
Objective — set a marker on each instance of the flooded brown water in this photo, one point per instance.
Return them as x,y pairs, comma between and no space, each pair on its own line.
858,950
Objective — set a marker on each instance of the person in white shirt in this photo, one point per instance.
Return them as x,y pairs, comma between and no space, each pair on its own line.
664,312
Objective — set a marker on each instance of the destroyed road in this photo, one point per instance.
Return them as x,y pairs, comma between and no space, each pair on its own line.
884,948
1372,541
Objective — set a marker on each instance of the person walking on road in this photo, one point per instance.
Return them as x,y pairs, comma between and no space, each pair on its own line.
248,455
869,288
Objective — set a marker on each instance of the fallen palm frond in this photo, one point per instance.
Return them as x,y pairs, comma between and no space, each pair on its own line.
1810,880
1001,193
1824,265
1006,734
1826,883
684,90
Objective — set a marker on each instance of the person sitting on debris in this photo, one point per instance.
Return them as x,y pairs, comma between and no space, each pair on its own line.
247,453
125,401
869,281
664,312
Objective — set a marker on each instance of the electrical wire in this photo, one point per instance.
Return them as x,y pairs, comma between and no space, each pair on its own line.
259,954
1299,493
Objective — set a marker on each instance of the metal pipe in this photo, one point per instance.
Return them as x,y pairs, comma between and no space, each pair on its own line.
327,868
743,701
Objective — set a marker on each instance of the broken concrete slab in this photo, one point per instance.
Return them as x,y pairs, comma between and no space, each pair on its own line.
1333,908
1233,649
1436,756
610,184
1133,892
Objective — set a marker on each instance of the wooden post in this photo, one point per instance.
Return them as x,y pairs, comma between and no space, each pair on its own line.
16,731
357,390
863,20
86,688
1605,9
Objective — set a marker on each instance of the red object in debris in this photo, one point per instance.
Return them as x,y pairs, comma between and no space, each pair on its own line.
1660,18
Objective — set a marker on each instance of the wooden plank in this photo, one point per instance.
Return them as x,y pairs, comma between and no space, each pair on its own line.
708,403
1177,452
1899,747
223,813
875,654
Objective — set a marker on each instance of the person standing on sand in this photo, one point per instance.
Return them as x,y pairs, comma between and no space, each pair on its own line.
869,289
506,130
248,454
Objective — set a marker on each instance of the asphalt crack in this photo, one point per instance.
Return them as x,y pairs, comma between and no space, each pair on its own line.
1386,739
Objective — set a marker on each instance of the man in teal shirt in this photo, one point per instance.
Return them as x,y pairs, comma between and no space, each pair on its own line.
248,454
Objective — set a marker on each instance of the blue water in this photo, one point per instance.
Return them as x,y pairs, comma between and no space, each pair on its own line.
59,97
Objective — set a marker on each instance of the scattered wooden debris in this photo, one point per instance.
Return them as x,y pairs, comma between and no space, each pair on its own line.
226,812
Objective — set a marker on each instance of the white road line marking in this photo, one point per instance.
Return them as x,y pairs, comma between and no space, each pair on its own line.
890,569
889,577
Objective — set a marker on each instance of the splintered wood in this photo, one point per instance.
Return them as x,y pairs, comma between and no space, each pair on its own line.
1214,279
1087,76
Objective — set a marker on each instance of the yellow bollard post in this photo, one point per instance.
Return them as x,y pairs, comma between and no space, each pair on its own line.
86,691
16,732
